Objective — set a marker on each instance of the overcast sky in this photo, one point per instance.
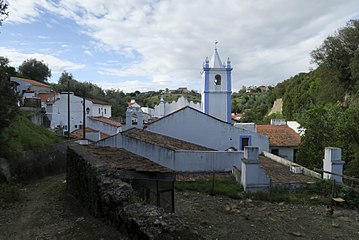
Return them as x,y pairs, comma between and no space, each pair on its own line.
150,45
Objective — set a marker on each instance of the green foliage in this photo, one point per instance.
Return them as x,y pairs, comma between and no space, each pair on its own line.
321,123
8,97
35,70
3,11
11,193
337,52
254,105
226,187
22,135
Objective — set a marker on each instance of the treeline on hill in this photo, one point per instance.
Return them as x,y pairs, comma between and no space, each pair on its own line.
117,98
325,101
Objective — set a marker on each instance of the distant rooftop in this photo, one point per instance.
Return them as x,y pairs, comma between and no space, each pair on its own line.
106,120
279,135
30,81
162,140
124,160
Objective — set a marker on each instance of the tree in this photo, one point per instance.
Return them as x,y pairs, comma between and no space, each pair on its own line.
35,70
8,103
3,11
337,51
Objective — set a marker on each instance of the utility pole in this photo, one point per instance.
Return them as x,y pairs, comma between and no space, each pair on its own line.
68,108
84,118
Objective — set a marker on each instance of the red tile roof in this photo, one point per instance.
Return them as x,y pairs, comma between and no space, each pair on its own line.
33,82
106,120
79,133
45,96
162,140
96,101
279,135
280,174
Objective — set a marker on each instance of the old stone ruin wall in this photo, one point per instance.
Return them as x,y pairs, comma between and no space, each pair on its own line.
99,188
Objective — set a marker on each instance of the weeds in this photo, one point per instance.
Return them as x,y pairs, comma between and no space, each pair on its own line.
227,187
11,193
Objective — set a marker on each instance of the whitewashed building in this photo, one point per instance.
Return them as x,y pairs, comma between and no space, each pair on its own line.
194,126
56,107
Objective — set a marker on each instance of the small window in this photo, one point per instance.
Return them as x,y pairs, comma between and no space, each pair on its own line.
65,127
99,110
275,151
217,79
105,110
75,126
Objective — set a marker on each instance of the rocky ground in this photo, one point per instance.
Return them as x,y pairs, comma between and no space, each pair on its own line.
224,218
50,213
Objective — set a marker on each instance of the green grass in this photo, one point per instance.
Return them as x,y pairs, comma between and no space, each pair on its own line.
23,135
226,187
11,193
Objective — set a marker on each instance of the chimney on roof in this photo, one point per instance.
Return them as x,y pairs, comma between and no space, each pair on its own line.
333,163
278,122
253,177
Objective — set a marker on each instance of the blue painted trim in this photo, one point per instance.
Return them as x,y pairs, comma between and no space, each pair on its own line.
206,90
249,141
229,95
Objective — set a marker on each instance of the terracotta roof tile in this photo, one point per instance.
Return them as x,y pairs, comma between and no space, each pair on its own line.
281,174
45,96
96,101
33,82
162,140
125,160
106,120
79,133
279,135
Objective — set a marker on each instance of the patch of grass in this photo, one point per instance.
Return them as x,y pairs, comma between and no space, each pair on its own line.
23,135
226,187
11,193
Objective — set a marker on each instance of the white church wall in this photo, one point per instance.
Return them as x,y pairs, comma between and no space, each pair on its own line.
196,127
165,108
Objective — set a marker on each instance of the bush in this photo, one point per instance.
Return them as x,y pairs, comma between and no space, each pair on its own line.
10,193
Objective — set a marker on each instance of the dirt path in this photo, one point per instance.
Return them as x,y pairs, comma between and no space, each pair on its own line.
50,213
225,218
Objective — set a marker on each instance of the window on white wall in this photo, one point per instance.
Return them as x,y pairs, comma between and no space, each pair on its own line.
105,110
99,110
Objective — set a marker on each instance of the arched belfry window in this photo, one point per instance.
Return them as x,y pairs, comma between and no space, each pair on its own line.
217,79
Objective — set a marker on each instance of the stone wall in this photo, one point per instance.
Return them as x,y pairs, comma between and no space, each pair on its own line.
100,189
31,165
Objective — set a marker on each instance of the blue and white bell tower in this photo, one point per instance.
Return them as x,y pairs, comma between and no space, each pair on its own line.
217,87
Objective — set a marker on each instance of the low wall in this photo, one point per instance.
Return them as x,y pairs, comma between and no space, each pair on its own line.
32,165
99,189
207,161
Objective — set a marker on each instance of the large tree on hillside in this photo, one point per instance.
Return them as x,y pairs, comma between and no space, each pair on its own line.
8,97
35,70
336,54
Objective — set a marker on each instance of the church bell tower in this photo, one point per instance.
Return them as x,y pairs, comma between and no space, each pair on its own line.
217,87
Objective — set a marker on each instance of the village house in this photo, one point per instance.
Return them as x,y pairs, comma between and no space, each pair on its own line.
283,140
